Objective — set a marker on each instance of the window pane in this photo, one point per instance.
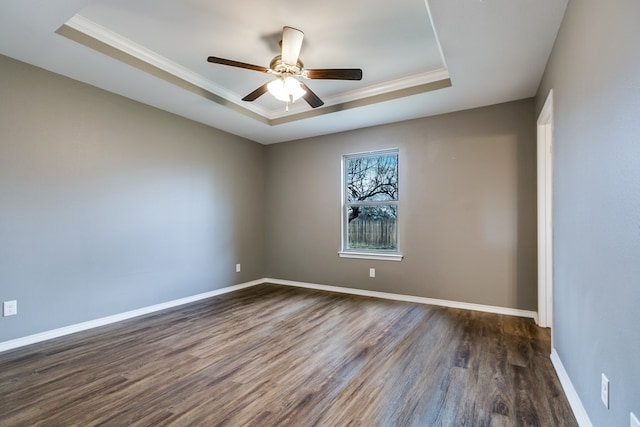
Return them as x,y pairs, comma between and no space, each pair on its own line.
373,178
372,227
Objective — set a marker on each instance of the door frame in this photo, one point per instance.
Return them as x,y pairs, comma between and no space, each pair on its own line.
545,213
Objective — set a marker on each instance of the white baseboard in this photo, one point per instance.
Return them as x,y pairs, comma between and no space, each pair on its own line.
55,333
409,298
571,393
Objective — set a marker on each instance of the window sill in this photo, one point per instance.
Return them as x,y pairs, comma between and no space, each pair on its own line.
371,255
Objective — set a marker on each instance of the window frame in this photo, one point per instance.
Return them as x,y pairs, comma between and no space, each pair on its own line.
374,254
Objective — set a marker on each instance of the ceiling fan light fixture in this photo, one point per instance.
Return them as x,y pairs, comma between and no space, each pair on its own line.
288,67
286,89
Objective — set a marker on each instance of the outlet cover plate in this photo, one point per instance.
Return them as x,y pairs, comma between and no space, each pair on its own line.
10,308
372,272
237,268
604,390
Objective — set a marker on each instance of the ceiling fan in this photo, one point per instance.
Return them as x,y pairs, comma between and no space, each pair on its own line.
288,68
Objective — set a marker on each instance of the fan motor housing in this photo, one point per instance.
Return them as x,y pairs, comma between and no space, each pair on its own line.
281,67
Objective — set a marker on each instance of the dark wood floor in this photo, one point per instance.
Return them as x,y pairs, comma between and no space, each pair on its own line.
275,356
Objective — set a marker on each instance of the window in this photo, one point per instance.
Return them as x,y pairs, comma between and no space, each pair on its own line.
370,205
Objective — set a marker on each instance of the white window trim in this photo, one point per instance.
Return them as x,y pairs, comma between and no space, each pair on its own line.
381,255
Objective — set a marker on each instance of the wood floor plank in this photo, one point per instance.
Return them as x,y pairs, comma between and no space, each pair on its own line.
277,356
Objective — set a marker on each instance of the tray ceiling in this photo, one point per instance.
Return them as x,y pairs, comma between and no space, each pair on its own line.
417,58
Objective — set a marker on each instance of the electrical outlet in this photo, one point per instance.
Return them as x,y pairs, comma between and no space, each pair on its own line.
237,268
372,272
604,390
10,308
633,420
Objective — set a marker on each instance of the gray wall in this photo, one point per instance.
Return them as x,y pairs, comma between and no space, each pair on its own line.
594,70
467,208
107,205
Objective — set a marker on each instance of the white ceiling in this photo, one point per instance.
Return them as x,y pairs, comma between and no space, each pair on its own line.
418,58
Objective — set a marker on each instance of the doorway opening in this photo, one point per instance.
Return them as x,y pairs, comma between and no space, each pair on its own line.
545,214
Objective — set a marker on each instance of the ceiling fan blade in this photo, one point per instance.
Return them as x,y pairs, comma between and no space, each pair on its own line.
291,44
312,99
238,64
335,74
256,93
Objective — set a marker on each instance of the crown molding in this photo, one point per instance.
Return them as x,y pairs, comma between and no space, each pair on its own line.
392,86
123,44
106,41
